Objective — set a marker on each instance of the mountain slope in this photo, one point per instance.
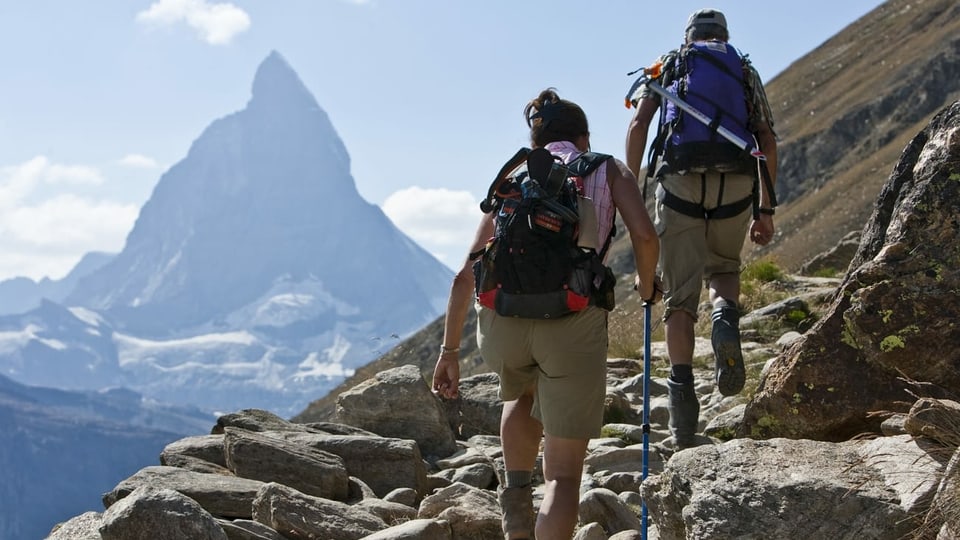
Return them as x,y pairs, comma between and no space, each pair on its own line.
844,113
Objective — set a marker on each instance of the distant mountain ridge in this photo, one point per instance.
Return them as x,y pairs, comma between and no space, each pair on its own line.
22,294
47,432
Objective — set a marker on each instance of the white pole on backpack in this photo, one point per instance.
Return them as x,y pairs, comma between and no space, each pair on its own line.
703,118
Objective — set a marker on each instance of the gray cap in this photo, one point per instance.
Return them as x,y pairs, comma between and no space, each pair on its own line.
706,16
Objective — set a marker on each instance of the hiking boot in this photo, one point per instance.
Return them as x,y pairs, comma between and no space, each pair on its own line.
519,519
725,337
684,413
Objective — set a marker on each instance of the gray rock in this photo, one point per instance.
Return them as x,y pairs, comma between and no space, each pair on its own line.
472,513
383,463
405,496
835,259
302,516
204,447
894,317
222,496
398,403
389,512
86,526
149,513
271,459
604,507
480,475
245,529
944,508
479,406
739,489
257,420
415,529
590,531
935,419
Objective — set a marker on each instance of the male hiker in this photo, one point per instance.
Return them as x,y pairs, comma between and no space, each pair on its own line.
708,195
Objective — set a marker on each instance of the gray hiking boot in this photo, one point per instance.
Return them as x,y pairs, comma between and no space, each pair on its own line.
725,337
519,519
684,414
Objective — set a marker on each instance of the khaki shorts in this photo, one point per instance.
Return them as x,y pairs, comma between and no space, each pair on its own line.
565,359
692,250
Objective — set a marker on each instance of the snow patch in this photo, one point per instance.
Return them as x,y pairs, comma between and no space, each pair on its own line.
287,302
133,350
328,364
87,316
11,342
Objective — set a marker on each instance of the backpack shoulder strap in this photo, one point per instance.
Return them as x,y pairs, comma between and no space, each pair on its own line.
586,163
583,165
716,61
490,201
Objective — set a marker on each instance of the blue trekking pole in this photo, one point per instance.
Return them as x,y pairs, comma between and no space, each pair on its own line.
646,414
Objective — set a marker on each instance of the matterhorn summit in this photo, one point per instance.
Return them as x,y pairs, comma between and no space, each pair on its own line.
256,275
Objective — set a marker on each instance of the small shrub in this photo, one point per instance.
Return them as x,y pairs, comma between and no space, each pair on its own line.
827,273
797,316
612,433
764,271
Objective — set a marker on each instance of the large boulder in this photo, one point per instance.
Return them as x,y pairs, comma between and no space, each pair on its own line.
150,512
894,319
398,403
785,488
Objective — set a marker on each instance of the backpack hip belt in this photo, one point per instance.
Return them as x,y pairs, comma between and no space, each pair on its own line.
697,210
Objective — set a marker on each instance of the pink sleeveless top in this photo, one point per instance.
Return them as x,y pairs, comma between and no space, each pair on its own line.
595,187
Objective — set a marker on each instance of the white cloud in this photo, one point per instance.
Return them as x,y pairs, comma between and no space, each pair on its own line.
19,181
67,220
44,233
139,161
442,221
217,23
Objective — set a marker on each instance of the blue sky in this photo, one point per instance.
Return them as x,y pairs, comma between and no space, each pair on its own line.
98,99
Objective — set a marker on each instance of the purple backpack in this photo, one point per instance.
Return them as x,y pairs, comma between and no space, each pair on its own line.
708,76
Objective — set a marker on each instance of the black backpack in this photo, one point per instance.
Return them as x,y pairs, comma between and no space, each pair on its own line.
535,266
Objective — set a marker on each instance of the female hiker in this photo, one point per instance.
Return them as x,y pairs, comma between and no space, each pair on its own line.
552,371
